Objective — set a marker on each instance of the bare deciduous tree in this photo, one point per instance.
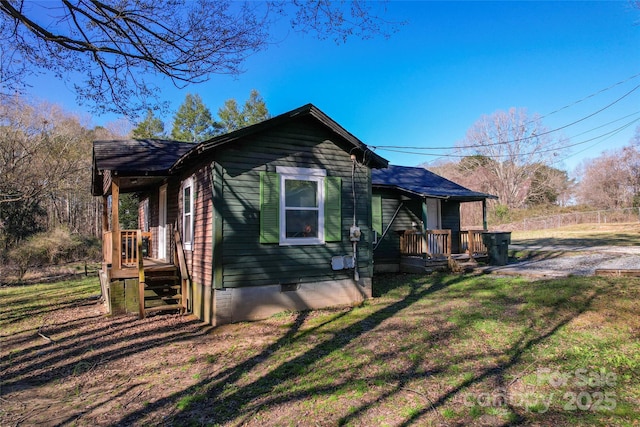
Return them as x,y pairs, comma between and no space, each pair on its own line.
120,46
45,162
508,148
603,184
613,179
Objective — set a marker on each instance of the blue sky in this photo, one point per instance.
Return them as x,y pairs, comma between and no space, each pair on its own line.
450,64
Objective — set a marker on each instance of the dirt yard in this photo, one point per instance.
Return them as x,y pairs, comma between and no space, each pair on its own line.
97,368
75,366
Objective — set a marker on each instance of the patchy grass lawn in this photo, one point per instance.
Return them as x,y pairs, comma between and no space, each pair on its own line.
620,234
429,350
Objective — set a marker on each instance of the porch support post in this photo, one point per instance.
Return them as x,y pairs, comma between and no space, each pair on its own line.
116,259
105,215
424,214
141,280
425,247
484,214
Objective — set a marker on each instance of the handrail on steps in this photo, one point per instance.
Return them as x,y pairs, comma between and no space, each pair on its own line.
184,273
141,279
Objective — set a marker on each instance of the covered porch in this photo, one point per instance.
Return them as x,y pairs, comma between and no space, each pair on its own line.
417,221
143,269
132,280
432,249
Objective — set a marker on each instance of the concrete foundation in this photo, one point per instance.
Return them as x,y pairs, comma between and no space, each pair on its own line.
259,302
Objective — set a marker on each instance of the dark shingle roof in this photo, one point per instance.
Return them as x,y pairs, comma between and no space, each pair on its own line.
424,183
150,156
161,158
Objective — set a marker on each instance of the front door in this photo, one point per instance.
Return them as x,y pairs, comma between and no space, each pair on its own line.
433,215
162,223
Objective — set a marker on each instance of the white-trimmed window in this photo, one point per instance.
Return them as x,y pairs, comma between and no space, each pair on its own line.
301,205
187,214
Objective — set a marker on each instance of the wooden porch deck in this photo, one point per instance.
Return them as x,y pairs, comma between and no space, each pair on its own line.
431,250
149,264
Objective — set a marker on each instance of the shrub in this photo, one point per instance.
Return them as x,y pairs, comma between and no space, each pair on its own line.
50,247
27,254
87,248
502,213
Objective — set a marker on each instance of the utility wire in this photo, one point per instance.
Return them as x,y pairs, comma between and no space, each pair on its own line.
393,148
591,96
615,132
608,134
374,147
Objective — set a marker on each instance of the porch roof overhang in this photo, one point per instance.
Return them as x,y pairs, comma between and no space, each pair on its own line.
137,162
415,182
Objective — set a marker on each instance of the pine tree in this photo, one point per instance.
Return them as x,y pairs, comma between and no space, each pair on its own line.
150,127
254,111
193,122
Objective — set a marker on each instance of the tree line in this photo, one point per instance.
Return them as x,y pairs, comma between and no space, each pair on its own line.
45,162
193,121
511,154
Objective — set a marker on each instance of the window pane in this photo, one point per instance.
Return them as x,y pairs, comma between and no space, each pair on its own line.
302,223
187,200
187,229
301,193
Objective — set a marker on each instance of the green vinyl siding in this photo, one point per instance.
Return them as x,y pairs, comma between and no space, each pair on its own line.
250,218
388,249
332,209
269,207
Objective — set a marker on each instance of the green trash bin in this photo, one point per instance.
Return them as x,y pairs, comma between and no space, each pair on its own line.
497,243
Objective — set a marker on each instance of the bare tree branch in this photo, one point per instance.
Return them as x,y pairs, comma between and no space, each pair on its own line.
120,45
509,148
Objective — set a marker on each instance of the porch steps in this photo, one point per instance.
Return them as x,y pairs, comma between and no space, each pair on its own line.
418,265
459,263
162,290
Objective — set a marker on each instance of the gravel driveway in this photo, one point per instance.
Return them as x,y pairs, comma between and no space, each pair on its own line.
562,261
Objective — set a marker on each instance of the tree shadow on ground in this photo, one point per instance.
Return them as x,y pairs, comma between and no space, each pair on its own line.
239,391
209,407
210,402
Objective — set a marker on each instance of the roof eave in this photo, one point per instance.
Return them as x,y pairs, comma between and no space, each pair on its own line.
374,160
478,197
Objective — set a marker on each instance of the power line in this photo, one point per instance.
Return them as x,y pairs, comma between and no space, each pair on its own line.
537,135
613,133
405,150
401,149
592,95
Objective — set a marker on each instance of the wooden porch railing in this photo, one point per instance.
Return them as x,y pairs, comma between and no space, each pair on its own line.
431,244
130,254
471,242
131,250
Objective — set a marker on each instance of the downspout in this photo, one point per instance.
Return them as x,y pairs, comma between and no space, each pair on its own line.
354,233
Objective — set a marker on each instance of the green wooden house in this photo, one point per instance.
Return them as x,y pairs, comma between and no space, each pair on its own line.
272,217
